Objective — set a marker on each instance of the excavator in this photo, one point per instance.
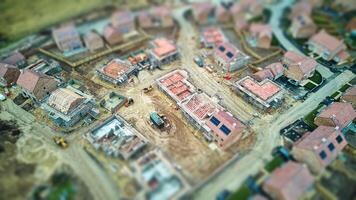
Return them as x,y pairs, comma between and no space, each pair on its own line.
60,141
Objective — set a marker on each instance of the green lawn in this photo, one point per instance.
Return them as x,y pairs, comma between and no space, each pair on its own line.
309,86
316,78
242,193
344,88
309,118
274,163
63,191
19,18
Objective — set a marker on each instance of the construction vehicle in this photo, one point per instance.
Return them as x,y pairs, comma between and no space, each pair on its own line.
147,89
60,141
129,101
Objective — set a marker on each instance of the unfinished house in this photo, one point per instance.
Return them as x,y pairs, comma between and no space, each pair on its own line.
116,138
67,106
116,71
35,85
162,52
264,95
158,177
199,108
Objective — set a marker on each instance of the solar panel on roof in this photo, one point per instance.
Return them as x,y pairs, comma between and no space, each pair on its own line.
221,48
214,121
225,130
229,54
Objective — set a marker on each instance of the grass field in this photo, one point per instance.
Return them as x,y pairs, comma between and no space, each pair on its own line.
19,18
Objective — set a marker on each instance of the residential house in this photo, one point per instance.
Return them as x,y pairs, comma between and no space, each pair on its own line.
163,52
67,106
289,182
240,24
116,137
67,38
298,67
226,128
301,8
260,35
35,85
158,177
302,26
271,71
229,58
337,114
116,71
211,36
247,9
93,41
264,95
351,27
16,59
8,74
203,11
158,16
319,148
112,35
123,21
222,14
350,96
328,47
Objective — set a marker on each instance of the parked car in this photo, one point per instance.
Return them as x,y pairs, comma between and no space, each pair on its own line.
223,195
2,97
199,61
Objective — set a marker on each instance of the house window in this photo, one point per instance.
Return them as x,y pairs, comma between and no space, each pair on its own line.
225,130
214,121
322,155
331,146
339,139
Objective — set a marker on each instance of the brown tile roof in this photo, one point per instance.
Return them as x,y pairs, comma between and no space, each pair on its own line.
306,64
341,113
291,180
351,91
14,58
28,79
326,40
64,100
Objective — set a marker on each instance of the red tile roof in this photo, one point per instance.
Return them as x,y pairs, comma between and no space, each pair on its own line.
326,40
163,47
263,91
229,49
291,180
341,113
28,79
261,30
313,140
228,120
213,35
306,64
115,69
351,91
276,68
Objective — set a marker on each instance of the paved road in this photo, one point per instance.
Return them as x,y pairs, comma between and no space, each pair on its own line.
94,177
188,49
277,14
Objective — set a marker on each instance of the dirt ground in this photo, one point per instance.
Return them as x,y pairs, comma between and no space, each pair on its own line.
18,175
